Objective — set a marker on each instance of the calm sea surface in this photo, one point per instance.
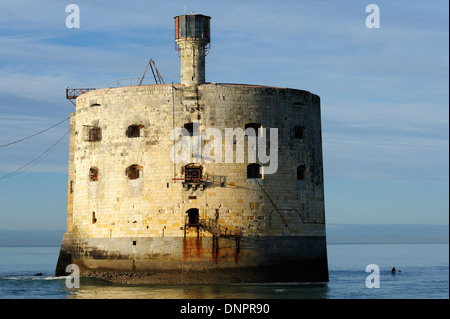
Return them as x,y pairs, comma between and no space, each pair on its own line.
424,274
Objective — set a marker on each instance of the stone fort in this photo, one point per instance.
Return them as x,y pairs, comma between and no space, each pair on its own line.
133,207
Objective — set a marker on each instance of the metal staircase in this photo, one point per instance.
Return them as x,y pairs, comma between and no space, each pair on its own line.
214,228
217,230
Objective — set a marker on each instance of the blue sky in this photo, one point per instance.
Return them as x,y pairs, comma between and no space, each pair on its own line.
384,92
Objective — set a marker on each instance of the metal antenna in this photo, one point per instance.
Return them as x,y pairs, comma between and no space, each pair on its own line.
156,75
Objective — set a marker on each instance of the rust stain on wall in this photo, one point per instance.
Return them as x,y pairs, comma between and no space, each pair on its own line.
192,248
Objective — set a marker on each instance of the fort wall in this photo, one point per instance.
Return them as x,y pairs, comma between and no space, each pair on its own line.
142,223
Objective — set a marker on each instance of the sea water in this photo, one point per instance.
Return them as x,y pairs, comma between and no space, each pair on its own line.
422,272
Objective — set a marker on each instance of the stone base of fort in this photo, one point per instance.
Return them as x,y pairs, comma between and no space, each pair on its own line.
202,260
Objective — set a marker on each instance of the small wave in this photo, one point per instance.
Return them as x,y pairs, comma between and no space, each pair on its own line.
51,278
55,278
30,277
10,278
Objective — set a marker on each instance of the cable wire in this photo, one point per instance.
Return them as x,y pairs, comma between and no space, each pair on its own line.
35,160
25,138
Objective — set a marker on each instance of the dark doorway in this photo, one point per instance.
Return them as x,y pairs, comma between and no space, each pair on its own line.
193,216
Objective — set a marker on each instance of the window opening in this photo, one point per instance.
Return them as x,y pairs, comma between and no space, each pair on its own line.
93,133
190,128
255,126
301,170
299,131
93,174
134,130
254,171
134,171
193,172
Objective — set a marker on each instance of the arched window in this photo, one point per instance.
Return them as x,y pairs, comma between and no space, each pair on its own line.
93,174
135,130
192,216
192,128
254,171
301,172
134,171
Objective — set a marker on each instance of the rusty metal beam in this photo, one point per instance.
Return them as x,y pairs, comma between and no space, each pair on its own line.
72,94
